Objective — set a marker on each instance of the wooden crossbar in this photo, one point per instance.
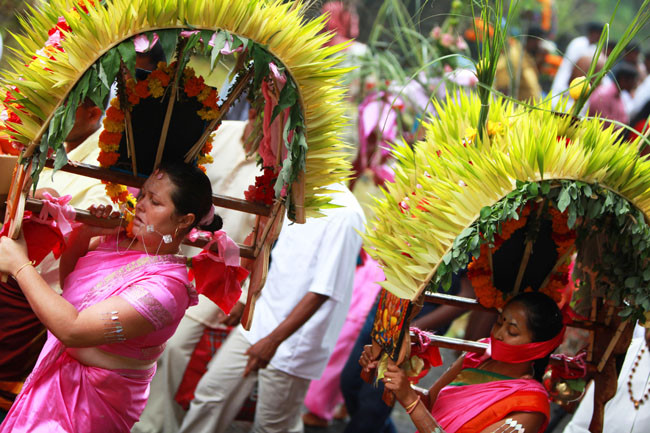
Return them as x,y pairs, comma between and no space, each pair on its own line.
136,182
83,216
474,305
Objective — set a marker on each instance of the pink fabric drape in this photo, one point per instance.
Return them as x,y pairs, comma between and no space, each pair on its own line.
324,394
63,395
474,399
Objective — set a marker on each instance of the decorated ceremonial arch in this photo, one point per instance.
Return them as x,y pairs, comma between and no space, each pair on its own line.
282,66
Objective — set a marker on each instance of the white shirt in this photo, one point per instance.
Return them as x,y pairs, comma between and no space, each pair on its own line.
319,256
641,97
620,415
574,51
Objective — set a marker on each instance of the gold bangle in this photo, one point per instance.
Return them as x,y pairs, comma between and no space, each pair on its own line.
29,263
411,406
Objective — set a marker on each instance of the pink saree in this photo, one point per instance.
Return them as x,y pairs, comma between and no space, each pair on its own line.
63,395
486,398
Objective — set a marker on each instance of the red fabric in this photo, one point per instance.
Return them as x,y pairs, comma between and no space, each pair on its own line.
515,354
22,335
40,238
205,349
219,282
422,347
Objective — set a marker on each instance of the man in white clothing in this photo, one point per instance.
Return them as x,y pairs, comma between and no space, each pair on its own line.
295,325
622,415
577,48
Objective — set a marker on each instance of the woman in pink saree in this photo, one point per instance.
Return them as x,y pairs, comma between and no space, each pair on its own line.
122,299
499,391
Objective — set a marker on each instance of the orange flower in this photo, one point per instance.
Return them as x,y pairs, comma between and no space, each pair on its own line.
114,114
110,137
194,86
107,159
211,100
479,272
132,98
142,89
160,76
207,147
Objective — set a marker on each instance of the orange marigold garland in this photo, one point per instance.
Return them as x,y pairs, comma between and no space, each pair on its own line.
153,86
480,273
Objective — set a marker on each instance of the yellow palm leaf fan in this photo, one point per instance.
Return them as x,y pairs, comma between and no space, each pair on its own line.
94,44
279,27
456,191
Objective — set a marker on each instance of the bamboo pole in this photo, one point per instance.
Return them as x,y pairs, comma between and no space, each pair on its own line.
612,344
559,263
592,334
168,117
83,216
236,92
275,212
610,313
130,141
137,182
524,260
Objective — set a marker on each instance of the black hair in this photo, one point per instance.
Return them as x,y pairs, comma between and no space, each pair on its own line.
594,26
192,193
537,32
625,70
632,47
544,320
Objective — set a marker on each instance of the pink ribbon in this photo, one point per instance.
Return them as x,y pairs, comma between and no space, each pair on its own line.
228,250
195,234
61,212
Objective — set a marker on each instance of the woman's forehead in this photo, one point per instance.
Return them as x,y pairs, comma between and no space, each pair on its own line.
157,183
515,311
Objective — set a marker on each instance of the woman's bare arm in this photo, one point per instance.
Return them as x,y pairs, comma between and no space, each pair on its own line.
93,326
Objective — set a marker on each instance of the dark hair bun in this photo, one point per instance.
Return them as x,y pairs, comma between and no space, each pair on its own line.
214,226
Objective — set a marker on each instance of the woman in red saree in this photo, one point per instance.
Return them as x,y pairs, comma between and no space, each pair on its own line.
122,299
499,391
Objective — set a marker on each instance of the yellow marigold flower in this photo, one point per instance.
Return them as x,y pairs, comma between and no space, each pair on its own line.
208,114
204,93
188,73
495,128
470,135
112,126
206,159
156,88
108,147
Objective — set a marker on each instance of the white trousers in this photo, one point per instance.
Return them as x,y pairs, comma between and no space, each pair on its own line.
222,390
162,413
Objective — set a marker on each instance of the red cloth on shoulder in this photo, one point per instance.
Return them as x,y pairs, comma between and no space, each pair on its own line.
41,238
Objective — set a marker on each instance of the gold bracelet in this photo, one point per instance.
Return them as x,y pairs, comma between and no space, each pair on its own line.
29,263
411,406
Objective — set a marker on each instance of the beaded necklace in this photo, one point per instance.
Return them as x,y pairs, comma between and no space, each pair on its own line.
646,395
